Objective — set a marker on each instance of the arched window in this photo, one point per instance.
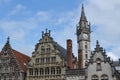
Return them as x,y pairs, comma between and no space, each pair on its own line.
98,62
36,71
47,70
52,70
58,70
104,77
94,77
42,49
41,71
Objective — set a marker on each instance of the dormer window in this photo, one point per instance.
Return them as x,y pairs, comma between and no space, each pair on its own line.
98,64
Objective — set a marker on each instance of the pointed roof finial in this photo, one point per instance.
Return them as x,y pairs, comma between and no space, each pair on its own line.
46,30
83,17
8,39
97,42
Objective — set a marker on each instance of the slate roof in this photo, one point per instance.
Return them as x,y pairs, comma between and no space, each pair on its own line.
61,49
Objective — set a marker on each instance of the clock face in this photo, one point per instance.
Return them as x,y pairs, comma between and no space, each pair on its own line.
85,36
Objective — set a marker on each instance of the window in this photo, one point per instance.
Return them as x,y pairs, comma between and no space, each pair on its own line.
52,70
48,50
47,70
37,60
41,71
16,78
53,59
47,60
58,70
11,69
5,78
30,71
94,77
86,47
42,49
98,62
86,56
104,77
36,71
42,60
6,69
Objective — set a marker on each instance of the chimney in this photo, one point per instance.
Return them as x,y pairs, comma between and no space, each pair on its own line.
80,61
69,53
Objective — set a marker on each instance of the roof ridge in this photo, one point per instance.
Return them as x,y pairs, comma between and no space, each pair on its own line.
21,53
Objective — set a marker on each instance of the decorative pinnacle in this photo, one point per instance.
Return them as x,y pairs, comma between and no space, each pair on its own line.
46,30
46,33
8,39
97,42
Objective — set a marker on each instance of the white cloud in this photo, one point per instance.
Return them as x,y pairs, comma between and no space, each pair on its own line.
112,56
18,9
43,16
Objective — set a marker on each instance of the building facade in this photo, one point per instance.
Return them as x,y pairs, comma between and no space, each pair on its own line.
13,64
48,60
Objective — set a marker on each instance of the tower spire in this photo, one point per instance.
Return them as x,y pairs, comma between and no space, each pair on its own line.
83,17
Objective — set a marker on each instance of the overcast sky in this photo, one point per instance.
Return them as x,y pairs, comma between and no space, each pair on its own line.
24,20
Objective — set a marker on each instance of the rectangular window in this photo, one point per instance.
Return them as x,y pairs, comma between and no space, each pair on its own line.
98,66
53,59
42,60
37,60
47,60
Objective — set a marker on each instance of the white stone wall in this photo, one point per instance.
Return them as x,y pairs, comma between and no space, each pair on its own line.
105,68
85,51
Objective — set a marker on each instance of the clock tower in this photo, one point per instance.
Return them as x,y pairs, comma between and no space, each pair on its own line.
83,40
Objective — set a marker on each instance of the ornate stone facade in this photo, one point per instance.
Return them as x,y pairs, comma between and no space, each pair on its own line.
48,60
12,64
